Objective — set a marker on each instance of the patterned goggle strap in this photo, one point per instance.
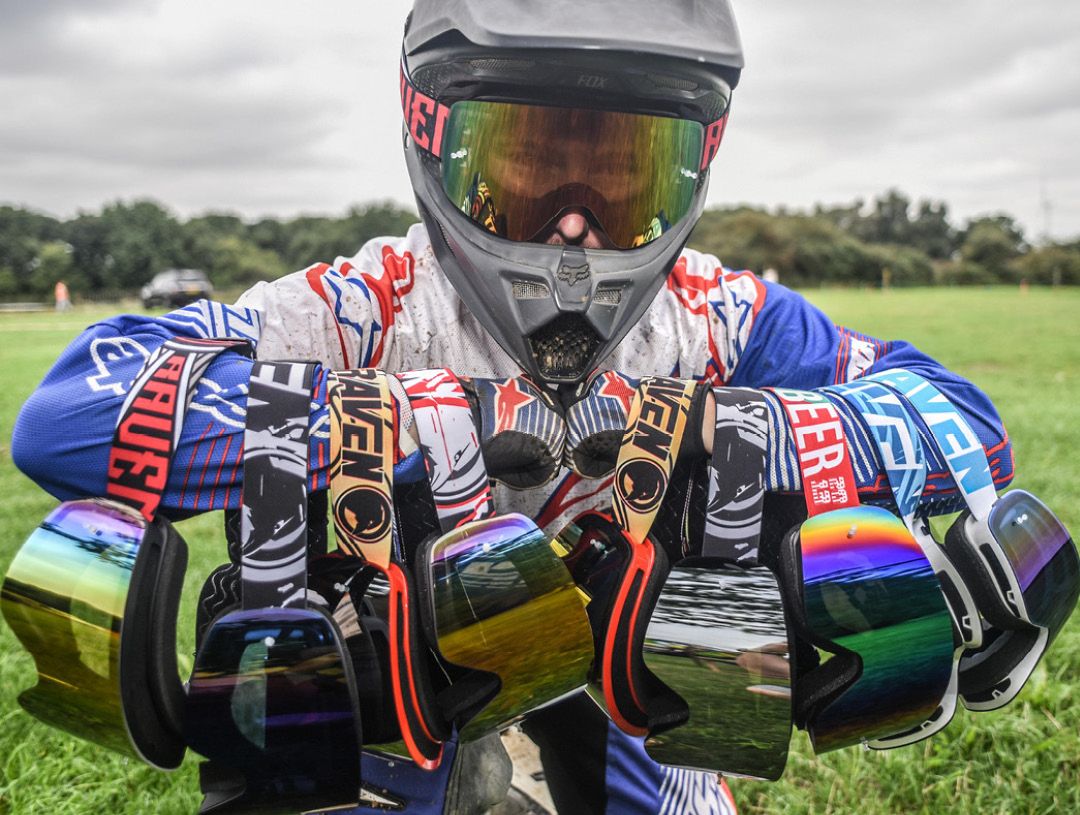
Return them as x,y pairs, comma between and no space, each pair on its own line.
148,428
450,446
273,527
963,453
650,446
828,480
362,464
897,439
737,476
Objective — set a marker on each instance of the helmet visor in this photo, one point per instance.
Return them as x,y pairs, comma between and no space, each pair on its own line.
515,169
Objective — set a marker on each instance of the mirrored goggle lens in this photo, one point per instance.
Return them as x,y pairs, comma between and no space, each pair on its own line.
64,597
1042,555
513,169
271,696
503,602
869,590
718,638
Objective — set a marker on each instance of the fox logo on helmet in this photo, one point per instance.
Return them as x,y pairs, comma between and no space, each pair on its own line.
641,484
363,513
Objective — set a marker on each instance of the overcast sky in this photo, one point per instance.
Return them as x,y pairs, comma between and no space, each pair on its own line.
275,107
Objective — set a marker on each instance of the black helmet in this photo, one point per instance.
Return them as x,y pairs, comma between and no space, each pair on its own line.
627,80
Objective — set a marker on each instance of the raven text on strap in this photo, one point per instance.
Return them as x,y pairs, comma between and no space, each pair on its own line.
152,417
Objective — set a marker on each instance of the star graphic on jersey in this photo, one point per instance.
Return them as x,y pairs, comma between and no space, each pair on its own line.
509,399
615,387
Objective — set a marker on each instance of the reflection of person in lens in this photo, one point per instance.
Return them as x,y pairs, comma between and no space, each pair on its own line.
571,282
768,662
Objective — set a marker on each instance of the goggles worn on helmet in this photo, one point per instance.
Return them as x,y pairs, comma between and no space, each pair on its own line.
514,168
1016,556
859,587
495,596
900,446
93,594
272,696
718,636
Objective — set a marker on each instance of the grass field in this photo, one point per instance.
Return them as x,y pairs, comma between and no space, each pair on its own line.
1023,350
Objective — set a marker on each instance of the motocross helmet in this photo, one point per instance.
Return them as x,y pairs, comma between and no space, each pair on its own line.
518,112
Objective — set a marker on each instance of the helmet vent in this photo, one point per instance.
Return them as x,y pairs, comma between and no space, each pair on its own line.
672,82
608,296
564,348
502,64
531,290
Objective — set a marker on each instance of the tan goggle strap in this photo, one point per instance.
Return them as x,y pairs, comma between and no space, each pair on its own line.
649,450
362,464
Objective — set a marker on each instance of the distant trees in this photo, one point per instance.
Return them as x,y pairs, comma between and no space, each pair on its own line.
120,248
888,241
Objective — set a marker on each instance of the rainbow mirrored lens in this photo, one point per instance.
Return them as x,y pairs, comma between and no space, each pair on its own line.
1042,556
718,638
271,697
64,597
869,590
514,168
503,602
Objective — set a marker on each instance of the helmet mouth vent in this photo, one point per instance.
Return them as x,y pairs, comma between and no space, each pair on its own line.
564,349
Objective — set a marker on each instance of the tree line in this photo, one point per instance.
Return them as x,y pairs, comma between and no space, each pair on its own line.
888,241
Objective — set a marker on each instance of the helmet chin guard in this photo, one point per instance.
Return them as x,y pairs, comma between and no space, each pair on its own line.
558,311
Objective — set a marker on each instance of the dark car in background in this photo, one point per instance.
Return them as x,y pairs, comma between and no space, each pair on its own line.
175,288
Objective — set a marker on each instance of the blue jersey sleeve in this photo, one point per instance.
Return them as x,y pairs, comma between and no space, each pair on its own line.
64,431
794,345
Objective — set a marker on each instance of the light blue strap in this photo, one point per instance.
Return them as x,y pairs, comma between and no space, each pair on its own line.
897,438
963,453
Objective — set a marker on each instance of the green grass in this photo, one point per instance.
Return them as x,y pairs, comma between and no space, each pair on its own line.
1024,351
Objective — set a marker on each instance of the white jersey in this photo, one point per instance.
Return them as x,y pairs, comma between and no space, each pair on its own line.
391,306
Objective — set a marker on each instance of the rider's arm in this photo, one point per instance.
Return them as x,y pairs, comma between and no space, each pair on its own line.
792,344
62,436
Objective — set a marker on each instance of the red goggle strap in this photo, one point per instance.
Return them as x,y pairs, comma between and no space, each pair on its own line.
152,416
828,480
425,118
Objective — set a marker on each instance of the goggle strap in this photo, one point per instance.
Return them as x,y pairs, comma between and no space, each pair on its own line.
425,118
273,519
451,447
649,450
737,477
151,418
425,121
828,480
963,452
714,134
362,464
897,438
